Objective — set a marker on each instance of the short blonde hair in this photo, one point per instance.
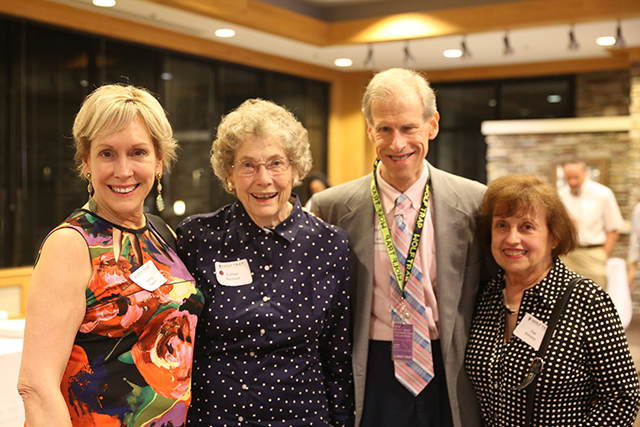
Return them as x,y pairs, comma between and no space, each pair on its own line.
111,108
389,84
264,119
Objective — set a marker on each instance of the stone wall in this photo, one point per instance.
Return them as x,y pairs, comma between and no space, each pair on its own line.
605,93
597,94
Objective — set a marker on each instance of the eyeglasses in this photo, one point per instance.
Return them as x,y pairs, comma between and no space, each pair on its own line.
273,166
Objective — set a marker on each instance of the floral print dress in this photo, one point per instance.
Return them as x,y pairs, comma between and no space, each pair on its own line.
131,361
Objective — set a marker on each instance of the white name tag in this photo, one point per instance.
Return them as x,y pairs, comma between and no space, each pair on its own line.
148,277
234,273
531,331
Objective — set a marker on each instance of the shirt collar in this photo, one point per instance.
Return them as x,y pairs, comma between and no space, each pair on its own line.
389,194
247,229
547,291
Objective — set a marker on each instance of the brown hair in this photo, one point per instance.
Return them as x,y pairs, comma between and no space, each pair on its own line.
519,194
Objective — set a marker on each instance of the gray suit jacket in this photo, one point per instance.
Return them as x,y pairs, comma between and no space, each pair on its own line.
461,265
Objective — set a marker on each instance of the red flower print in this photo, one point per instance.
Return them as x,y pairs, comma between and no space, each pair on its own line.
126,314
164,352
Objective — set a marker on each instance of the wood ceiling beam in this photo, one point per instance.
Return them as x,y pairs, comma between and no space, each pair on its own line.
96,23
493,17
618,61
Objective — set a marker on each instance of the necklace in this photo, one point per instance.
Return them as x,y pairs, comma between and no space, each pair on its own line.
504,301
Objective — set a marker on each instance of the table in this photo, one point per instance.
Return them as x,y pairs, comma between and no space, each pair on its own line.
11,409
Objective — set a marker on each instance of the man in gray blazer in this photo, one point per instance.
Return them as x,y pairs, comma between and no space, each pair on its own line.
401,114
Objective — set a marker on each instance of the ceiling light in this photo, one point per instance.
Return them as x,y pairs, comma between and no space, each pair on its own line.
452,53
606,41
225,33
343,62
104,3
554,99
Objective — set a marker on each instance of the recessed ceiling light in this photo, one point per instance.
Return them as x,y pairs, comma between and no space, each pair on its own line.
452,53
343,62
225,33
606,41
554,99
104,3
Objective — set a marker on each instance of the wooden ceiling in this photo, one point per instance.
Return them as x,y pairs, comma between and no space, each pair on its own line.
461,20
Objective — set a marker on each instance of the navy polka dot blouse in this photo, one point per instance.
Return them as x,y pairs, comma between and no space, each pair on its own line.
273,349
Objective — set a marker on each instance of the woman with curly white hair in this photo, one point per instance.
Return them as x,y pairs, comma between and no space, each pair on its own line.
272,346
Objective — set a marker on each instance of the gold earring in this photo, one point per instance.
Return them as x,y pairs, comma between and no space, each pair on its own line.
93,206
159,199
229,185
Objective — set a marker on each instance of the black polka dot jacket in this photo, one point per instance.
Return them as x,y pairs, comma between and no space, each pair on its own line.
588,378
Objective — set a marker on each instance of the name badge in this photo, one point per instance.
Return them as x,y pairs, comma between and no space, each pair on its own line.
234,273
402,341
531,331
148,277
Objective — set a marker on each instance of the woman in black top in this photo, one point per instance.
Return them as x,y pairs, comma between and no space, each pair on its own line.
588,377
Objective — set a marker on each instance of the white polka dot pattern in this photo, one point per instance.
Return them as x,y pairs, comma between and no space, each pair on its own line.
275,352
588,378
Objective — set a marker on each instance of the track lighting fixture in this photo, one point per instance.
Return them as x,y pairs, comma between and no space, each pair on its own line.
408,59
466,53
620,42
573,43
508,50
369,61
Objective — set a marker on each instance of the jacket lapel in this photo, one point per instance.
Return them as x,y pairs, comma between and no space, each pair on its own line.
451,227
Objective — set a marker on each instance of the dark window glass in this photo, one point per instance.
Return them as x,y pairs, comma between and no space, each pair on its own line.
120,62
46,72
49,75
189,100
539,99
236,85
460,147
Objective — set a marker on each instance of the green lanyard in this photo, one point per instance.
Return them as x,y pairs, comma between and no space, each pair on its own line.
386,234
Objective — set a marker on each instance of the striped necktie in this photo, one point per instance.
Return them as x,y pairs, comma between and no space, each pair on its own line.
413,374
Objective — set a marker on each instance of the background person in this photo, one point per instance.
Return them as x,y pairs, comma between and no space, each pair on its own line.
400,109
598,218
111,309
633,257
588,375
316,183
273,345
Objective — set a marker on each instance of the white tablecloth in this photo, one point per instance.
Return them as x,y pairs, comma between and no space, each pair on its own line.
11,409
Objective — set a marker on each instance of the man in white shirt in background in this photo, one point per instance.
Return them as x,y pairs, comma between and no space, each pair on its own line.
598,218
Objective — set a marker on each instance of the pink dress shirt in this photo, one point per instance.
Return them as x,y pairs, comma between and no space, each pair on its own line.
381,327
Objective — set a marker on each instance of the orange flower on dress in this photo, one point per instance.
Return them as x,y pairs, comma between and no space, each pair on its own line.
164,352
77,382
